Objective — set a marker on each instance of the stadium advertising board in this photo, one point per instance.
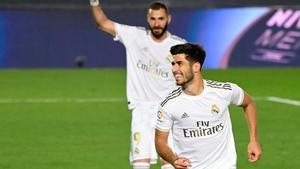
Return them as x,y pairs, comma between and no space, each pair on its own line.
249,37
273,40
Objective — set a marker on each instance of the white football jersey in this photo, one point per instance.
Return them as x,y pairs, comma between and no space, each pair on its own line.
201,125
149,72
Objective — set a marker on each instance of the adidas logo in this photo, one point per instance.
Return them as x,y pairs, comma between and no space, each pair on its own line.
184,115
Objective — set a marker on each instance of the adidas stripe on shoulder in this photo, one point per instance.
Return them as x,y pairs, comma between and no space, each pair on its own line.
172,95
218,85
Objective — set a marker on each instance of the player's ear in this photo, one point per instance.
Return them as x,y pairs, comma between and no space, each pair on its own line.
196,67
147,17
169,18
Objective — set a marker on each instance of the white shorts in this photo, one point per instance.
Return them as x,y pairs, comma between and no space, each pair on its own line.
142,132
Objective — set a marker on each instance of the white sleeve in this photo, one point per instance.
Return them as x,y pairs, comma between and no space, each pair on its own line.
237,96
124,33
164,121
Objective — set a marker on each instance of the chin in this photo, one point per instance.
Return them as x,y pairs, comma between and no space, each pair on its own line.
158,33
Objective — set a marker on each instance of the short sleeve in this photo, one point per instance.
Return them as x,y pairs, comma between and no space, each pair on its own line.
237,96
164,121
124,33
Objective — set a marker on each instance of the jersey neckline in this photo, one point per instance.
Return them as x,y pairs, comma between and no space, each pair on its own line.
197,96
158,43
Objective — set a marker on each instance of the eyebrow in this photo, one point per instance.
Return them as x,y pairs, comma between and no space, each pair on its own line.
178,62
160,17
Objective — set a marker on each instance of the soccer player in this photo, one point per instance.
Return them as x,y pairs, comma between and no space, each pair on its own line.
198,116
149,76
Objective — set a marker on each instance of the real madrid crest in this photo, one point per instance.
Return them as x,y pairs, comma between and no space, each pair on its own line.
215,109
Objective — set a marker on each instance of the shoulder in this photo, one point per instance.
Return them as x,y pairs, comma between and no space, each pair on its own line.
172,97
127,34
129,27
225,90
219,85
177,38
139,28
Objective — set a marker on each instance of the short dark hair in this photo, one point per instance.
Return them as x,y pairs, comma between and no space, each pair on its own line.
159,5
194,52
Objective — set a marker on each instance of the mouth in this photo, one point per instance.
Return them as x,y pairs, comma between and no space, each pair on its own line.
157,29
177,76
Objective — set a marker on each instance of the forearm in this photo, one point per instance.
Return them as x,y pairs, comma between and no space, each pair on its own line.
254,149
101,19
252,120
99,16
165,152
162,147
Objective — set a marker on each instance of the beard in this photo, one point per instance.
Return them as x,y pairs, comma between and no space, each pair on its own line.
189,77
158,35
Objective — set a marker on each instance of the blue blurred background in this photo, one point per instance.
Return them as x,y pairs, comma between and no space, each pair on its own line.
56,34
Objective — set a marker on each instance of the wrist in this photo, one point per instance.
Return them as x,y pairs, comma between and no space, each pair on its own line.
253,138
174,160
94,2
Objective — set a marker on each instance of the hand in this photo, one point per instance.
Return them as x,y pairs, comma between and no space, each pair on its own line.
254,151
182,163
94,2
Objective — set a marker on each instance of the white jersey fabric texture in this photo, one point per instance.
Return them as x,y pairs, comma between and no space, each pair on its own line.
149,75
201,125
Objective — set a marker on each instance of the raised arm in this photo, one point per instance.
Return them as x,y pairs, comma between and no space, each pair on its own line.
101,20
165,152
254,149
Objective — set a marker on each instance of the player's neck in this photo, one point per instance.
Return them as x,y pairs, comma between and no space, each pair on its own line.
160,39
194,88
